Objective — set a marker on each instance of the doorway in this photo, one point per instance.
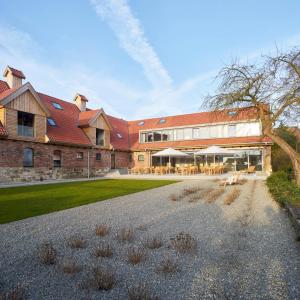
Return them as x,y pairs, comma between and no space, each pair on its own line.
113,161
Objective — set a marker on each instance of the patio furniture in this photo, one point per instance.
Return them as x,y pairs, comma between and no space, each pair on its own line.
233,179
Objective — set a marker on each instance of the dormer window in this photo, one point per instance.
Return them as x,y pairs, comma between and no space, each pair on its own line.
25,124
57,105
51,122
141,123
119,135
99,137
161,121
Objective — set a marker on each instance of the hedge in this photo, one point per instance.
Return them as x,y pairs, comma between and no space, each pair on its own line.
282,189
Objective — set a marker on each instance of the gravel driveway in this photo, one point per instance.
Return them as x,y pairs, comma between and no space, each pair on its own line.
246,250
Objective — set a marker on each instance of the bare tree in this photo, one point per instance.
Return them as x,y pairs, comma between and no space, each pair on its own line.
272,88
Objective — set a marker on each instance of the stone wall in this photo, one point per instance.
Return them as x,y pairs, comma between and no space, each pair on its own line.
11,161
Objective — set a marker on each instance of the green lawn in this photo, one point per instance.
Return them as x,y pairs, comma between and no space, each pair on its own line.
18,203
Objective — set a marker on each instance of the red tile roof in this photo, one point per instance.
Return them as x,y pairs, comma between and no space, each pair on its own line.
16,72
3,86
119,137
86,116
66,130
124,134
3,131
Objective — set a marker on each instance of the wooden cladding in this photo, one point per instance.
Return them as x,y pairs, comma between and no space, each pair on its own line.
27,103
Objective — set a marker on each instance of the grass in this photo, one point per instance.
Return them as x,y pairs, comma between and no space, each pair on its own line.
27,201
69,266
103,250
47,254
167,266
135,255
153,242
18,293
230,198
125,235
77,242
184,243
102,230
214,195
140,291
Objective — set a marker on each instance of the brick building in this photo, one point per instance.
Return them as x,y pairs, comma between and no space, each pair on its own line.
45,137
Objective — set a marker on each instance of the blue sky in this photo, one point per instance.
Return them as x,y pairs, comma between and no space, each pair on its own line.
139,58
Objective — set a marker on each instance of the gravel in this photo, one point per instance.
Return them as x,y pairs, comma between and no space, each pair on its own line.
246,250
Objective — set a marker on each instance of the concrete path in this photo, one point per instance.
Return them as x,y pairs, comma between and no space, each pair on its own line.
244,251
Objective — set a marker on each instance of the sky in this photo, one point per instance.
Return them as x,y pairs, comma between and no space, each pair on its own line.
140,58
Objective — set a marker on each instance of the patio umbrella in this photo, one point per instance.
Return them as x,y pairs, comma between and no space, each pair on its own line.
214,150
170,152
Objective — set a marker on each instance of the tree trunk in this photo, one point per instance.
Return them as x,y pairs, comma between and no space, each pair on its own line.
290,151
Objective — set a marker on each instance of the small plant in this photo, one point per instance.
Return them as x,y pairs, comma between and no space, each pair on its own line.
69,266
18,293
174,197
214,195
47,254
142,227
103,250
125,235
135,255
167,266
235,193
102,230
140,291
184,243
77,243
190,190
99,278
153,243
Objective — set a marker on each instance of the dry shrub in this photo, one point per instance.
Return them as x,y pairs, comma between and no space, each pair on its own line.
194,198
167,266
99,278
140,291
135,255
18,293
174,197
184,243
77,242
214,195
242,181
234,194
102,230
153,242
69,266
47,254
142,227
190,190
103,250
125,235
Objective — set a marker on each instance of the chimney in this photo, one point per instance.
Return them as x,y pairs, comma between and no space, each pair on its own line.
13,77
80,101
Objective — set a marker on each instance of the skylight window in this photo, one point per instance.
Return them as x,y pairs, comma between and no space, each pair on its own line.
161,121
232,113
119,135
141,123
56,105
51,122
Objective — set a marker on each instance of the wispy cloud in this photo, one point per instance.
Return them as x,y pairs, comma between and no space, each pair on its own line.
132,39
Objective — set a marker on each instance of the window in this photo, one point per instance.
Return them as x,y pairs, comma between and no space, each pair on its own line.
56,105
119,135
98,156
196,133
157,136
231,130
79,155
188,133
143,137
51,122
130,157
161,121
179,134
99,137
167,135
25,124
57,158
149,137
28,157
141,123
232,113
141,157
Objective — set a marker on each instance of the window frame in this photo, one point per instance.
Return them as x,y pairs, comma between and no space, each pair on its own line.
102,144
80,155
98,156
21,115
57,106
141,157
56,165
25,165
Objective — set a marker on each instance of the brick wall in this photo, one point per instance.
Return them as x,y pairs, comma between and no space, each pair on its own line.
11,161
